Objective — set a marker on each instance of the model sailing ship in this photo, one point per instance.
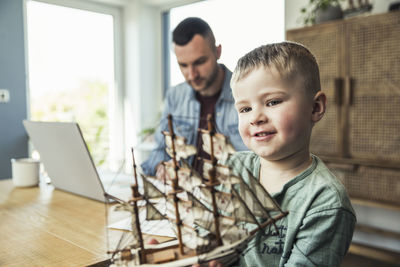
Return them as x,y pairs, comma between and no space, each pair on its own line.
207,211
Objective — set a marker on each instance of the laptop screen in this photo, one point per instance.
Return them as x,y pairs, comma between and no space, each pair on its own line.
65,157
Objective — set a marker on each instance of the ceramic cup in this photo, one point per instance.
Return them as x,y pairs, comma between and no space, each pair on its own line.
25,172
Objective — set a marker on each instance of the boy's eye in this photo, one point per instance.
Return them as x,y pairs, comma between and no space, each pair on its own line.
273,103
244,110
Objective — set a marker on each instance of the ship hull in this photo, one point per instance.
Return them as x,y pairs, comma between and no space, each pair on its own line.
226,255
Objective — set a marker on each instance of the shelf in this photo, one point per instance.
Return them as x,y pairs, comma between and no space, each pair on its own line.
364,162
375,253
377,231
370,203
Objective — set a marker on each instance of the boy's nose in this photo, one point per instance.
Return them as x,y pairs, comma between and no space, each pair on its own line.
258,118
258,122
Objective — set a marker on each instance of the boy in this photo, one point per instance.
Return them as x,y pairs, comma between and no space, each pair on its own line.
278,98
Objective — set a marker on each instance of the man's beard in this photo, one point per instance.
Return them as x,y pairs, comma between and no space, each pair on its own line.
211,79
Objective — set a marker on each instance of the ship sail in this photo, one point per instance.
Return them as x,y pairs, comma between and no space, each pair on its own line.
243,212
203,216
182,150
253,193
229,205
185,211
192,211
128,240
261,194
187,178
150,190
152,213
222,174
191,238
222,148
259,205
233,233
224,201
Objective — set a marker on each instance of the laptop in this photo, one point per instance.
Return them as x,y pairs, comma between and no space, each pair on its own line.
67,160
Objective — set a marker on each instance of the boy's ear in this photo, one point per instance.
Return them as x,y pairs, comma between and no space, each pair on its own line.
319,106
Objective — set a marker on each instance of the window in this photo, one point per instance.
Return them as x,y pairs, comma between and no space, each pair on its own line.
238,25
72,77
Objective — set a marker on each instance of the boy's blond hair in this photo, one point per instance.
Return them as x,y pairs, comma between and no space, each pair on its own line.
291,60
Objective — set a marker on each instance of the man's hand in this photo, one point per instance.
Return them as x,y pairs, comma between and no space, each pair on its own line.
161,172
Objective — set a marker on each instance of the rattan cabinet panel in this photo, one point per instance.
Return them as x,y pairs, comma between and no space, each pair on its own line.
361,130
374,67
324,43
375,126
371,183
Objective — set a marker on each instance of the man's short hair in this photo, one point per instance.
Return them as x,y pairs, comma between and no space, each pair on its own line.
186,29
290,59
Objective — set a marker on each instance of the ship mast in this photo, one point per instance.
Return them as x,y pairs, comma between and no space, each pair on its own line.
213,182
175,187
135,197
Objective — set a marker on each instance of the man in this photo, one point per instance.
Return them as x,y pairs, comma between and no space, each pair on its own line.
206,91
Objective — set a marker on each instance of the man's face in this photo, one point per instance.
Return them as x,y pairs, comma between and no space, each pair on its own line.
198,63
275,118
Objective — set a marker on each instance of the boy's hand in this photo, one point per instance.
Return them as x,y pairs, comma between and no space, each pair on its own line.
212,263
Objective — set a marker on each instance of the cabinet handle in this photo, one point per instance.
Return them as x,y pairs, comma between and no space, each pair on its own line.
348,91
338,91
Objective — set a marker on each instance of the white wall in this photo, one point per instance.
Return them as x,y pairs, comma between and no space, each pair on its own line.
142,29
388,219
143,67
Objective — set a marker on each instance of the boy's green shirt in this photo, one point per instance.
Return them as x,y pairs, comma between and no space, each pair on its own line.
320,224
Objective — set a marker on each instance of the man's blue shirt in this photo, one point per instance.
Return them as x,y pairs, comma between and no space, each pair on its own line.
182,104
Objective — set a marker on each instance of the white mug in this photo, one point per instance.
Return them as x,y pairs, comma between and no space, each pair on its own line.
25,172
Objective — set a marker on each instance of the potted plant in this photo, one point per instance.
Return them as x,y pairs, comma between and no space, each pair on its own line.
321,10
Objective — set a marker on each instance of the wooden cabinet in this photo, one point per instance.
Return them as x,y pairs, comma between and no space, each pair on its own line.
359,60
324,41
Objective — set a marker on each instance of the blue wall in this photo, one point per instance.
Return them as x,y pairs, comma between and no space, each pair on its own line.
13,139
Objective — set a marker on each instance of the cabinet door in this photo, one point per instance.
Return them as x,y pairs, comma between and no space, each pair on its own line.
371,183
325,42
373,62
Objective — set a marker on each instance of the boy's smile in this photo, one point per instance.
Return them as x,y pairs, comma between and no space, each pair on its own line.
275,117
264,135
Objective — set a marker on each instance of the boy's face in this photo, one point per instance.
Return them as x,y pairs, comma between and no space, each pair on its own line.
275,117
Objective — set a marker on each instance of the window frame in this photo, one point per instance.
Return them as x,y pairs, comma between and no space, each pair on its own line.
116,120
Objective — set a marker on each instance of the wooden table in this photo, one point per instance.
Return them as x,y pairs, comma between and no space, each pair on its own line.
40,226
